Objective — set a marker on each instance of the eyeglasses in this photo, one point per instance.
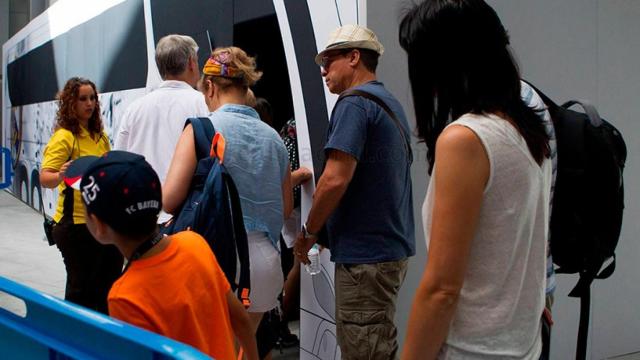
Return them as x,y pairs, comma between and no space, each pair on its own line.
326,60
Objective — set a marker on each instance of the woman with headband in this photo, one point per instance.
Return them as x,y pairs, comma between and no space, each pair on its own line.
257,160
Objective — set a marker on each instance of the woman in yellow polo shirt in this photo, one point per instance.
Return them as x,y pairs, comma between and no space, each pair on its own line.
91,267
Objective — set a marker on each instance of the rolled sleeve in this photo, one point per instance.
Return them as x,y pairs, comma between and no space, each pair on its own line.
58,150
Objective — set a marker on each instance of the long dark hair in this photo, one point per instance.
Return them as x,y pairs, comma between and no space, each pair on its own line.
460,62
66,117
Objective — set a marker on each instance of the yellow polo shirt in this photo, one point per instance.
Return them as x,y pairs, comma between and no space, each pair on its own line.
62,145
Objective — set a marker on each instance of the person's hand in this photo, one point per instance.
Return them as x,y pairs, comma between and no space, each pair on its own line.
301,248
63,170
300,176
305,174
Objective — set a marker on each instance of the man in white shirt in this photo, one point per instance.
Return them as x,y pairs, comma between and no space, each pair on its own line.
152,124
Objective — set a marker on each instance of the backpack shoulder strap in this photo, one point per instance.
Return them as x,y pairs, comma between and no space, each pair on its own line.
241,241
583,326
385,107
203,132
545,99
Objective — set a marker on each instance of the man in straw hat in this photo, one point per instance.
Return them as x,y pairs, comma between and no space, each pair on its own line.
363,196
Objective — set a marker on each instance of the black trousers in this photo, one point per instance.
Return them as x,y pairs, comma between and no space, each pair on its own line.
91,267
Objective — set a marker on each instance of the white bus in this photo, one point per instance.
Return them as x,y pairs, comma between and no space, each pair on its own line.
112,43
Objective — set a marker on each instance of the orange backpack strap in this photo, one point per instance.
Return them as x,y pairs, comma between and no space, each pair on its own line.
218,145
244,297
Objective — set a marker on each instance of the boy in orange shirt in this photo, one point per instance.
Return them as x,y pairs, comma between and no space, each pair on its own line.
172,285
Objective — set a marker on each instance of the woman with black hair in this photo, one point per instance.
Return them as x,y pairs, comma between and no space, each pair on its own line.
487,206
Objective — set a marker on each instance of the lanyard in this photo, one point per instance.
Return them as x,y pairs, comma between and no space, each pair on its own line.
143,248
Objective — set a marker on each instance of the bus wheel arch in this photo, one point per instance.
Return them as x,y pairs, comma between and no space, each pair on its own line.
21,183
36,191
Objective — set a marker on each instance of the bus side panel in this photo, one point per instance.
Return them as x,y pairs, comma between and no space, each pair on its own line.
109,49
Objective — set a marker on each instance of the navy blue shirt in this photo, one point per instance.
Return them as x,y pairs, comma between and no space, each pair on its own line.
374,221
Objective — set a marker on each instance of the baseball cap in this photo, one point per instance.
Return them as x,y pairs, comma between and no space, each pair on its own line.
351,37
119,187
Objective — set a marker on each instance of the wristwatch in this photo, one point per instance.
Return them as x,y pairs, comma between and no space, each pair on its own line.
307,234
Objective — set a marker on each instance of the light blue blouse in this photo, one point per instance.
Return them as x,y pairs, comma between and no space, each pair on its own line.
256,158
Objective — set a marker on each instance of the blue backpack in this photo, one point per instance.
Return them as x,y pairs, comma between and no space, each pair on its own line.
212,208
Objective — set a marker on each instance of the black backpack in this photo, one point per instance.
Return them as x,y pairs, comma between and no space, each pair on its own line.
588,200
212,209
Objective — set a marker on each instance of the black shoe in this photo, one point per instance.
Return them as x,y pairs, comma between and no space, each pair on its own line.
287,339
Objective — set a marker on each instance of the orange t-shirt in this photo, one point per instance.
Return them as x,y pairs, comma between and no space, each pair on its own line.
179,293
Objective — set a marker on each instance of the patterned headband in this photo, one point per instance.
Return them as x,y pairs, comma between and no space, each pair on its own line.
218,65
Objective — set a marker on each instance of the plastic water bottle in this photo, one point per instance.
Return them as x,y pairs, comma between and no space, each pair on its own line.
313,268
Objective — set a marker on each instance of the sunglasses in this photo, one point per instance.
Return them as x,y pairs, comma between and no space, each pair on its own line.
327,59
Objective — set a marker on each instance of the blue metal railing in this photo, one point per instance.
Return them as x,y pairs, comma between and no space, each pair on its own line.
8,173
56,329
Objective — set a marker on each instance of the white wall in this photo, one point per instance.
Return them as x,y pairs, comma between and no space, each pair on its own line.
383,18
590,49
572,49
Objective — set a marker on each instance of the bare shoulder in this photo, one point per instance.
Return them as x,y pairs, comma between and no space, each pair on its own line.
460,154
459,139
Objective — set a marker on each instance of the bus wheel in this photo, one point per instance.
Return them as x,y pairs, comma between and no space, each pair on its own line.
36,192
20,186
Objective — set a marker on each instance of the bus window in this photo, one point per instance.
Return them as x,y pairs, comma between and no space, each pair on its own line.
117,62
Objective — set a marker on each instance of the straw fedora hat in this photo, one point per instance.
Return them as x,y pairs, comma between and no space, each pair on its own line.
351,37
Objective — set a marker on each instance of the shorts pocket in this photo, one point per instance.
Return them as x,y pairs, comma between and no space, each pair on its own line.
366,334
349,275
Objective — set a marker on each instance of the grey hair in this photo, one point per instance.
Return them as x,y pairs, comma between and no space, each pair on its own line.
173,53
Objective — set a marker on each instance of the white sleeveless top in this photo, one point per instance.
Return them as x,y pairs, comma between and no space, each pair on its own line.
502,298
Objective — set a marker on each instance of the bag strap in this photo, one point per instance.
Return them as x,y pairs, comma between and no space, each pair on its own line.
44,214
67,203
583,327
545,99
385,107
589,109
582,290
596,121
240,238
203,132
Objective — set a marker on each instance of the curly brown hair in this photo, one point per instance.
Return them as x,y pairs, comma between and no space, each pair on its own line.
66,115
